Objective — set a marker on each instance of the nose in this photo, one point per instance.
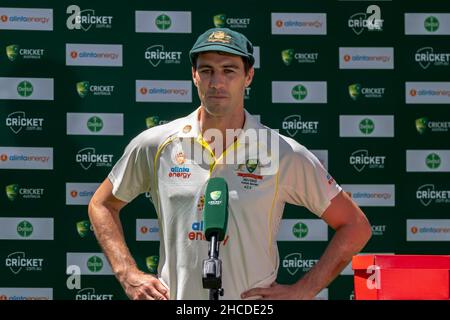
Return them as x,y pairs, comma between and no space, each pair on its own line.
217,80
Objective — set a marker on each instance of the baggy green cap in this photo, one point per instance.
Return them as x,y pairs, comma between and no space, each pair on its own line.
225,40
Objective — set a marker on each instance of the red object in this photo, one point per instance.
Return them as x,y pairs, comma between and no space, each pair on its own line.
401,277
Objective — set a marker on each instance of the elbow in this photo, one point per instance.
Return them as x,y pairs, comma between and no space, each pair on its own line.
365,231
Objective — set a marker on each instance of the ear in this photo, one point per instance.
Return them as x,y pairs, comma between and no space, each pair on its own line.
249,77
193,77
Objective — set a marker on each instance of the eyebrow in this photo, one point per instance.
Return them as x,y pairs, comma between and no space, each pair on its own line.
227,66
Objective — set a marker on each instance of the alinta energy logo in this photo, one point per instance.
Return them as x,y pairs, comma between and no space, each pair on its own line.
370,20
433,161
221,21
18,121
299,92
157,53
429,92
84,88
356,91
84,228
94,264
84,19
427,193
424,124
93,55
94,124
300,230
154,121
289,55
13,191
24,229
366,126
431,24
90,294
17,261
361,159
14,50
163,22
25,89
87,157
294,262
151,263
426,57
294,124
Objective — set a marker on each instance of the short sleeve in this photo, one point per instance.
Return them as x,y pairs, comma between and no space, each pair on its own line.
133,172
305,182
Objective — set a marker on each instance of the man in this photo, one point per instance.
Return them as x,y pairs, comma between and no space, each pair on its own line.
163,161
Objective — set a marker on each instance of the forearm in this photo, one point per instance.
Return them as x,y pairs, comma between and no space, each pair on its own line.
109,233
336,257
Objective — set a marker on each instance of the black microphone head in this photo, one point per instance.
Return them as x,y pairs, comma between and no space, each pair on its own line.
215,210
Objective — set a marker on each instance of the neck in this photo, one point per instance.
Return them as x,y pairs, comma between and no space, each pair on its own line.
207,121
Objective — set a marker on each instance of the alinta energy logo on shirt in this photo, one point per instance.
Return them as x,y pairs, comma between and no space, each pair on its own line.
157,53
426,57
295,261
197,233
294,124
13,51
357,91
369,20
424,125
84,88
181,171
361,159
222,21
18,261
428,193
289,55
84,19
15,192
18,121
87,157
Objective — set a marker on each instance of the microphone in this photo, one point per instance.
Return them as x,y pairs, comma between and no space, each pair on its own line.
215,210
215,220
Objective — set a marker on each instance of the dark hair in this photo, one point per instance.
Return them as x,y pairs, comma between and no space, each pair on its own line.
247,64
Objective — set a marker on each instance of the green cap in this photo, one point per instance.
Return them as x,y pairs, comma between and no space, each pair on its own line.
226,40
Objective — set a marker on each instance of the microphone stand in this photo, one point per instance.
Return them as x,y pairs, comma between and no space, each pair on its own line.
212,270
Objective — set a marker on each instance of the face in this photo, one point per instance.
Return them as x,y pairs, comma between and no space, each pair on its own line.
221,81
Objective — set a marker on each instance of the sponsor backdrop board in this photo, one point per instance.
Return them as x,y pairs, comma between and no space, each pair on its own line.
364,85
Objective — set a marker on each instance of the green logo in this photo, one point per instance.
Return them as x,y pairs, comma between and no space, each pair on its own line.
25,89
12,191
421,125
163,22
366,126
433,161
152,121
12,51
152,264
431,24
354,90
300,230
287,56
95,124
299,92
219,20
83,88
251,165
24,229
95,264
215,195
83,228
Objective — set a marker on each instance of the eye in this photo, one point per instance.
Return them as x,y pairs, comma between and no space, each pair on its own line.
229,71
